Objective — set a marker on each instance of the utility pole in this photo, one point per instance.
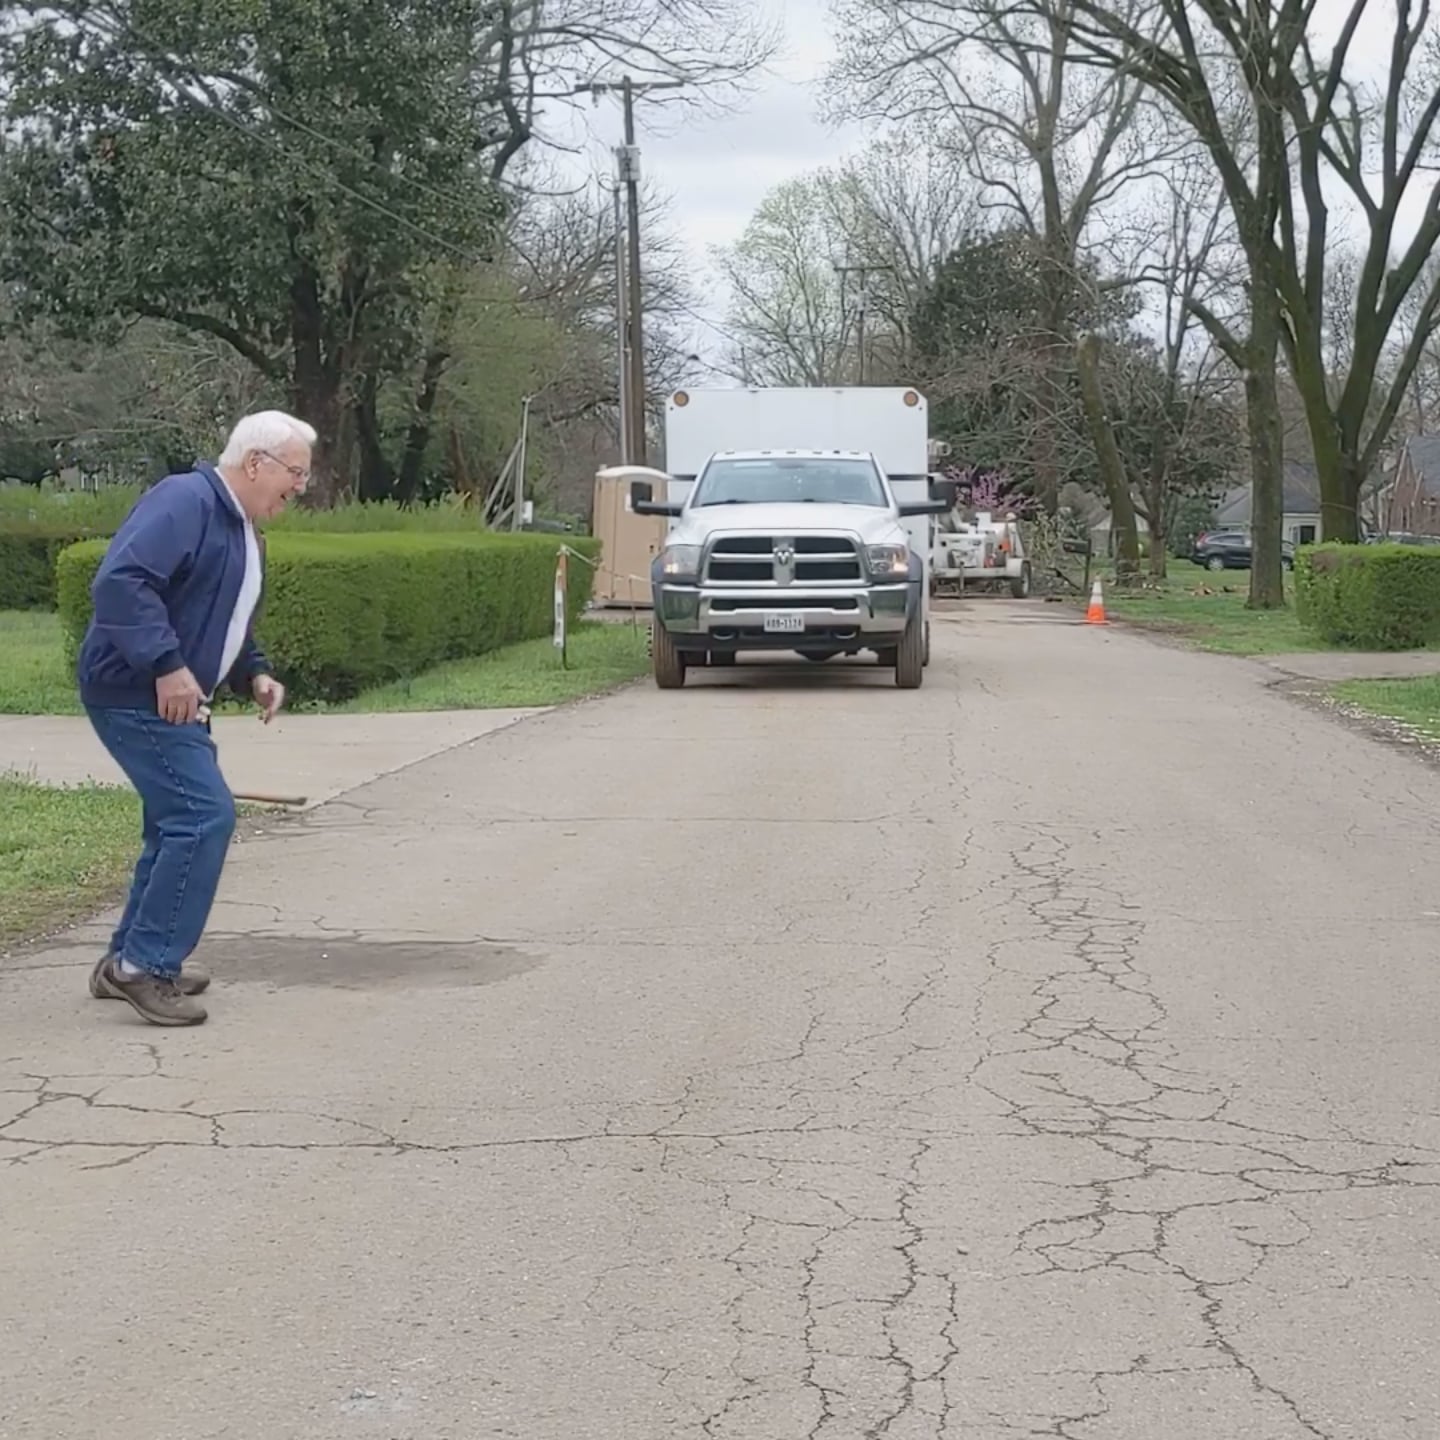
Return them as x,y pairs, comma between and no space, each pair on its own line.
622,326
864,272
627,159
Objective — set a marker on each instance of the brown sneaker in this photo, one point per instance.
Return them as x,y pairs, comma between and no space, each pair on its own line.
161,1002
193,980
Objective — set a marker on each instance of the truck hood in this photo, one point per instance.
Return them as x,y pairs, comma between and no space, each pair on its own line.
873,525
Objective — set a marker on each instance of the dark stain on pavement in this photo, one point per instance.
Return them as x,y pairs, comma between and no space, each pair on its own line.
354,963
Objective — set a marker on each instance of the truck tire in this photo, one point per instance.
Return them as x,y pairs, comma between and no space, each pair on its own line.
1020,585
667,663
910,657
886,658
927,642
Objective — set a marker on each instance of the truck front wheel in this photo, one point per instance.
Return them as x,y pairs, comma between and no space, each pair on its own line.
910,657
1020,584
666,661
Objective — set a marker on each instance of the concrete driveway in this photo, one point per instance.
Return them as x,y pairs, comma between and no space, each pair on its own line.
310,757
1049,1052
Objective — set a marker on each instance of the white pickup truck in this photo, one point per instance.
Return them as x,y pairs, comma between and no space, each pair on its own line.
803,540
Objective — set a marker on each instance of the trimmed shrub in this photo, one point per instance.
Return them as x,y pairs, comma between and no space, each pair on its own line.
36,524
28,551
1373,597
342,613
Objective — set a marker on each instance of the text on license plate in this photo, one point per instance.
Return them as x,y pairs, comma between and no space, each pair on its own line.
784,624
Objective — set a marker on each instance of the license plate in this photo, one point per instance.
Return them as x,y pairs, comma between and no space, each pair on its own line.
783,624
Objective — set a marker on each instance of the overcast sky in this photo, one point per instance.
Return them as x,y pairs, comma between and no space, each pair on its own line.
714,172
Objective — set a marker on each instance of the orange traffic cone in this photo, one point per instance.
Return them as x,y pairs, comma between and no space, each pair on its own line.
1095,615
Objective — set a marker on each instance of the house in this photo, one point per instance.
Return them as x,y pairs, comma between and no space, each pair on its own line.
1414,498
1300,505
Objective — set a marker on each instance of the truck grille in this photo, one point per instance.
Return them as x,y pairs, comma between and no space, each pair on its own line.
750,560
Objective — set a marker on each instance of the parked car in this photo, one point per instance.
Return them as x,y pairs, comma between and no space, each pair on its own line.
1231,550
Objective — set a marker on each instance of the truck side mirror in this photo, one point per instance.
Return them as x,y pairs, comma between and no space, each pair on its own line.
643,502
946,490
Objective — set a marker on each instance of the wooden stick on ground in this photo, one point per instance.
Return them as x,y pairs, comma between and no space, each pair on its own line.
255,798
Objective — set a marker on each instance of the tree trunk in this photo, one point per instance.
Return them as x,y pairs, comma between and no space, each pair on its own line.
377,475
1336,462
1112,467
1262,404
1340,481
417,437
315,382
315,397
1159,538
1157,502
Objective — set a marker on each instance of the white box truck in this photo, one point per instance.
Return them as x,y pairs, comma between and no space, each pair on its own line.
800,521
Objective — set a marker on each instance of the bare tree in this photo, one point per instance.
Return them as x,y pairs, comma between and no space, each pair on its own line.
1224,67
787,308
902,205
1378,138
1051,142
897,208
1186,386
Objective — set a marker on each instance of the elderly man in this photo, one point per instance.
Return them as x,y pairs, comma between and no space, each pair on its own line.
175,598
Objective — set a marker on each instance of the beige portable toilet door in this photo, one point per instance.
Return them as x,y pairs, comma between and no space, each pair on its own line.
629,542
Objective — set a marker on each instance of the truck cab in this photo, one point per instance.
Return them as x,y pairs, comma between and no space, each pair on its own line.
800,548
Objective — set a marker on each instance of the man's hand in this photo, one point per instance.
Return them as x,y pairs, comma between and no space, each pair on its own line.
178,697
269,695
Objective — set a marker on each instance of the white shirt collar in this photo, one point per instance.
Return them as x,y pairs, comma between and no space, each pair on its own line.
234,498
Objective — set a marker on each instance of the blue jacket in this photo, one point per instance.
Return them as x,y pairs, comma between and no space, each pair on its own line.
164,595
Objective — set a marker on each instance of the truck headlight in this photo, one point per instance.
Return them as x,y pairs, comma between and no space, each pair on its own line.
889,562
682,561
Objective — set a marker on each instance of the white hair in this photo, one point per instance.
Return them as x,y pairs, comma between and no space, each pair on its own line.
267,430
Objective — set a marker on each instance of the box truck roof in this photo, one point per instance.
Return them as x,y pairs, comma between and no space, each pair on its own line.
889,422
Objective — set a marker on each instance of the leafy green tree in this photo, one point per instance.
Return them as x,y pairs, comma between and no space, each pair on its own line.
311,182
288,186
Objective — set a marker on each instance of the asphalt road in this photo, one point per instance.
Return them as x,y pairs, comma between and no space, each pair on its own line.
1048,1052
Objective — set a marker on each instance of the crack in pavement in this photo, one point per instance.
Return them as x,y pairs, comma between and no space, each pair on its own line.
834,1217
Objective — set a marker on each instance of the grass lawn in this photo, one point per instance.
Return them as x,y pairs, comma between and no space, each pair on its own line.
1209,612
63,853
601,655
1415,703
34,679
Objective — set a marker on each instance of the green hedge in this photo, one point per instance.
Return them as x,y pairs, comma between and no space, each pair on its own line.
343,613
1374,597
36,524
28,551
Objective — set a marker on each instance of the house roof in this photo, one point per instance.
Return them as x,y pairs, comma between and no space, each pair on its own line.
1301,496
1423,452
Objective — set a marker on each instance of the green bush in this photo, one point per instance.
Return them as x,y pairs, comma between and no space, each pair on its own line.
38,522
27,562
342,613
1373,597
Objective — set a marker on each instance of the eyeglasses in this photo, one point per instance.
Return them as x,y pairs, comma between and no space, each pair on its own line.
299,472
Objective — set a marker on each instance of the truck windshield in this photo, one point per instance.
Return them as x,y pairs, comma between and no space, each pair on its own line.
788,479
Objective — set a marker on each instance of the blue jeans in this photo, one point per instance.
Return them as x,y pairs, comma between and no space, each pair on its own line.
189,817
